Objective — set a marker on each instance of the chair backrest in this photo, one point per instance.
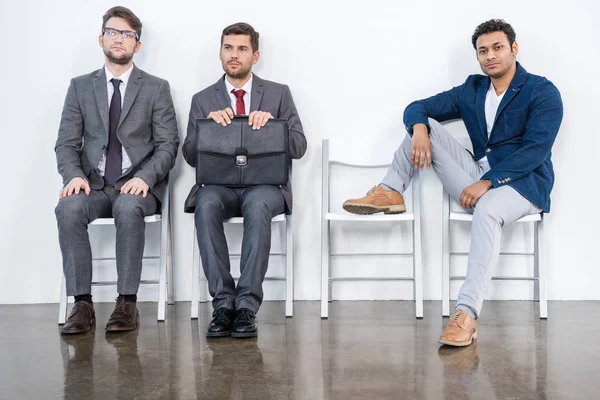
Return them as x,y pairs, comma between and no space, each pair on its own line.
370,158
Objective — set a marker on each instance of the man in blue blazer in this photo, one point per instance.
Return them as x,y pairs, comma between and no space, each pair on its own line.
512,118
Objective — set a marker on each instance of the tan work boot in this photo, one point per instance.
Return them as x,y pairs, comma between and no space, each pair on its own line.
377,200
460,331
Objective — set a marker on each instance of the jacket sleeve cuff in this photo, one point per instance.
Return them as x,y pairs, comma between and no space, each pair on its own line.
409,125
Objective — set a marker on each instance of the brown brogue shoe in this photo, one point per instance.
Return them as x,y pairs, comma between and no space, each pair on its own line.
377,200
460,331
81,319
125,317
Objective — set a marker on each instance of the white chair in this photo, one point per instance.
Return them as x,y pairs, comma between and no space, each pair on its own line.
354,155
539,264
165,280
200,286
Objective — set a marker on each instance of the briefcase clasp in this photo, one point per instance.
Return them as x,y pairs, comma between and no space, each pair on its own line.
241,160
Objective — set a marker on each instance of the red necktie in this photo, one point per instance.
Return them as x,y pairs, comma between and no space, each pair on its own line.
240,106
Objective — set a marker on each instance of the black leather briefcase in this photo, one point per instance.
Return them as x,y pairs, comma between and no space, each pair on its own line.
238,156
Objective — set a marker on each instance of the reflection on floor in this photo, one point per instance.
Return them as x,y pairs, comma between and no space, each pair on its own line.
365,350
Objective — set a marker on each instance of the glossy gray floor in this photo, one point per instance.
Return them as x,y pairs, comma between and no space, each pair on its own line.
366,350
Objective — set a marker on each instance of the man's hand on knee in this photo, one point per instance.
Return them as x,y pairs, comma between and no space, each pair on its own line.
421,147
74,187
135,186
472,193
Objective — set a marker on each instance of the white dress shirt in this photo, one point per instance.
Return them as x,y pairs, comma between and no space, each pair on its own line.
126,162
247,88
492,102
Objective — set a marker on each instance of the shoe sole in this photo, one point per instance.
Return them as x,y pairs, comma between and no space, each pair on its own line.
63,332
459,344
364,209
218,334
126,328
244,335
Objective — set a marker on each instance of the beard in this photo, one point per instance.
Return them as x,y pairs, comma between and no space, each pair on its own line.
239,74
123,59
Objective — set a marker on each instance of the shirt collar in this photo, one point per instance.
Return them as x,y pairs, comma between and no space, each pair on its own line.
247,87
124,78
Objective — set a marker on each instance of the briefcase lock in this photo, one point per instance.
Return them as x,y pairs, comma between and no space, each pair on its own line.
241,160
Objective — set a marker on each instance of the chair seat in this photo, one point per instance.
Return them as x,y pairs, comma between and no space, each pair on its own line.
240,220
464,216
111,221
407,216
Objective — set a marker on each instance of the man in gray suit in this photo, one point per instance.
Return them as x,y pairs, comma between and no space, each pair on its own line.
235,307
116,143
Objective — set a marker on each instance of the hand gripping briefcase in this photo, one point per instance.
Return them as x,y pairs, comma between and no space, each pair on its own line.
238,156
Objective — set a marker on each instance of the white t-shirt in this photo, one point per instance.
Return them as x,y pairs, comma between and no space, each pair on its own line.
492,102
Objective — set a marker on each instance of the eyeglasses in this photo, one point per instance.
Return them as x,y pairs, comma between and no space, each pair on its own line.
126,35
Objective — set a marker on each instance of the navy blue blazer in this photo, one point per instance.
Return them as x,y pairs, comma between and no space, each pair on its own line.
519,148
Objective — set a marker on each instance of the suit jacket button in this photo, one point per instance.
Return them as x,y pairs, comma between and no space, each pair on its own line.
488,150
95,170
104,147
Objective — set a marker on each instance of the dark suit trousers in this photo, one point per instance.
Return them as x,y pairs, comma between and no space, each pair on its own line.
258,205
74,213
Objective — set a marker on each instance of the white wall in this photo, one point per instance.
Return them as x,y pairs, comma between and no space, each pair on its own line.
352,70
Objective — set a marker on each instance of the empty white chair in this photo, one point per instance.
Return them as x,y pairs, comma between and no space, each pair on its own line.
372,155
165,280
200,285
539,264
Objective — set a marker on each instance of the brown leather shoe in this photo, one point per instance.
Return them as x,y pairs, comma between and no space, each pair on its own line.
81,319
460,331
125,317
377,200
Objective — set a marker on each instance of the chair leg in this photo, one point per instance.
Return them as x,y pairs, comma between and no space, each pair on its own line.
418,268
170,281
446,255
162,281
540,267
195,279
289,268
62,308
325,292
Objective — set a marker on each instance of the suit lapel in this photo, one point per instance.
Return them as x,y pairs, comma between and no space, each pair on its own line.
480,106
257,93
101,93
222,98
513,89
133,88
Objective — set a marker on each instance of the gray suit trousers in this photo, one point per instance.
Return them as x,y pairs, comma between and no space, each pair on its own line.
457,169
74,213
258,205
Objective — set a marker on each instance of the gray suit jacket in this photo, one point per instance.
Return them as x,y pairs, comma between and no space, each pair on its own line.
266,96
147,130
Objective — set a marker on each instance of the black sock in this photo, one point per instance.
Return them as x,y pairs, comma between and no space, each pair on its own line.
84,297
129,297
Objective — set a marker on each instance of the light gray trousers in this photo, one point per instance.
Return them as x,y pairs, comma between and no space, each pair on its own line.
258,205
457,169
75,212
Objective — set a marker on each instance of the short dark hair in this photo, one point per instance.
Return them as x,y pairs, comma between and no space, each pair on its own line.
127,15
494,25
242,28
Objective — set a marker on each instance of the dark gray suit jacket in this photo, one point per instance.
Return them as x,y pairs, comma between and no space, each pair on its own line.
147,130
266,96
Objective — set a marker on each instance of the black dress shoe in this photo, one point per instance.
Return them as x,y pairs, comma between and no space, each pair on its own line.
81,319
125,317
222,323
245,325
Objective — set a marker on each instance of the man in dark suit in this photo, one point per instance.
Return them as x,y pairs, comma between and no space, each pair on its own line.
512,118
240,90
116,143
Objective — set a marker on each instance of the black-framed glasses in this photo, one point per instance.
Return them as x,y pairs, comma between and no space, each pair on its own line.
126,35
